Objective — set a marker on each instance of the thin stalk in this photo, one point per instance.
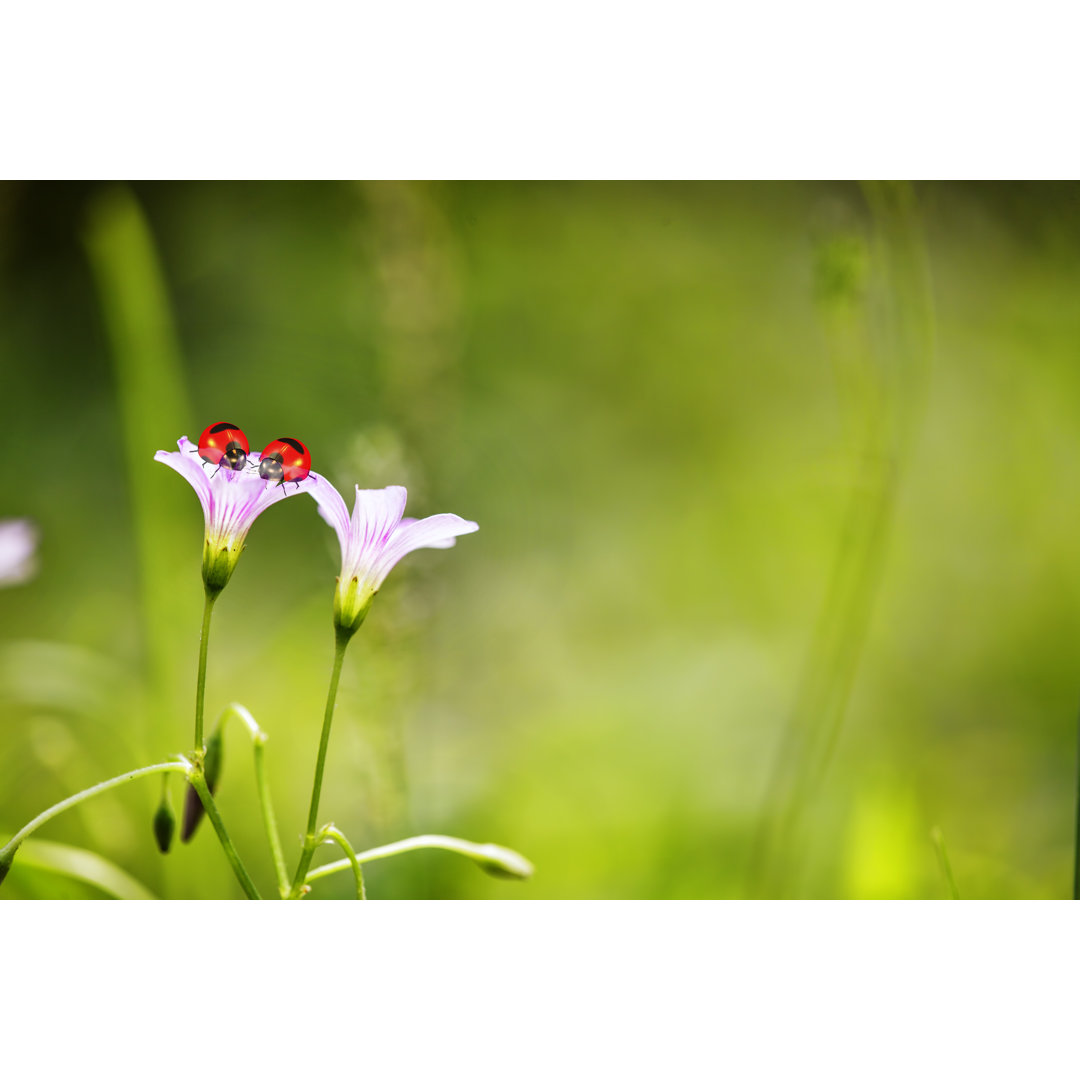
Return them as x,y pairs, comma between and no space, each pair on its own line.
269,821
332,832
198,782
503,862
7,852
200,686
258,741
311,839
328,717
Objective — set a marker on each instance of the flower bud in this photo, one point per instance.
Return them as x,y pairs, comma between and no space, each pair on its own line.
164,823
193,813
212,762
501,862
215,753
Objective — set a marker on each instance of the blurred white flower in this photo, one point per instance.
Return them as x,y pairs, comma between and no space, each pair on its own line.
18,545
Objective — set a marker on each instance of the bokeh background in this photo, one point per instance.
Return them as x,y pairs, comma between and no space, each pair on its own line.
776,584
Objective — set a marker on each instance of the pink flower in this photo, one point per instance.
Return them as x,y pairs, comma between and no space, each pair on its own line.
373,539
231,501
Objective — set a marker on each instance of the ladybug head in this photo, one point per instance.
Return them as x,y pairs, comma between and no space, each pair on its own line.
271,467
235,456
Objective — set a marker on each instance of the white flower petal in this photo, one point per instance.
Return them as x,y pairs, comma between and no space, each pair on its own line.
332,510
439,530
376,514
446,542
190,466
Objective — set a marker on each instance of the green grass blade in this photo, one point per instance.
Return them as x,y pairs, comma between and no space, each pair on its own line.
153,411
891,370
937,838
82,865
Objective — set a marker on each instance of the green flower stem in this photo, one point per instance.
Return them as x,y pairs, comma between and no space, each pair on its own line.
200,687
503,862
7,853
198,782
1076,856
311,839
258,740
332,832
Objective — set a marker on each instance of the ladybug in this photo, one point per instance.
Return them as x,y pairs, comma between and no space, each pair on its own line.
284,460
224,444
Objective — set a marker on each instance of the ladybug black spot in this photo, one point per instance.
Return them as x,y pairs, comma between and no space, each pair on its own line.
296,444
221,427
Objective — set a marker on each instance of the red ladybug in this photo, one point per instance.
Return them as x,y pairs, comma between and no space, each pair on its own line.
224,444
284,460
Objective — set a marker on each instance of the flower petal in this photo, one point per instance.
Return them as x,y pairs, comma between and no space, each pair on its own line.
188,464
449,542
438,530
332,509
376,514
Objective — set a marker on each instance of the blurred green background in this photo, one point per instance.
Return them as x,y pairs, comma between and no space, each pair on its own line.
776,569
